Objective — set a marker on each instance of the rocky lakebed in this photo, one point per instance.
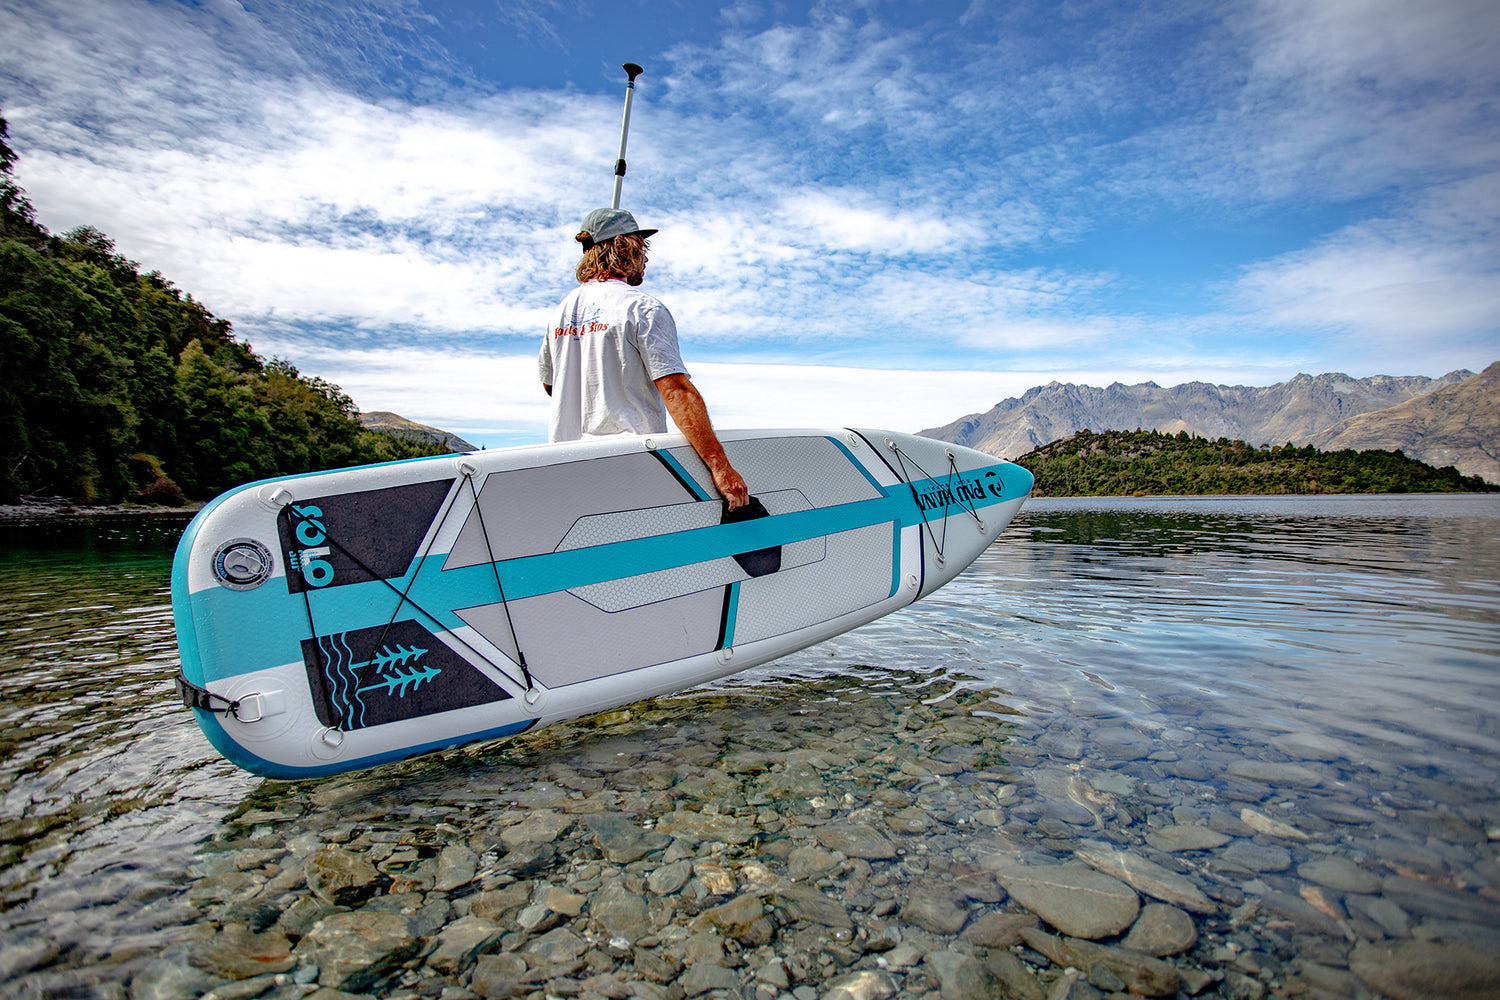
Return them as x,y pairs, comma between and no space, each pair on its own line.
822,840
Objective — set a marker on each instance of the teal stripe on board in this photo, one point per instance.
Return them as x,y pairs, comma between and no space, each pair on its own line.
856,463
235,753
683,476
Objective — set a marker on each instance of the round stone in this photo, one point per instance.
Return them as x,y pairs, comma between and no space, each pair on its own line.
1186,838
1162,930
1341,874
1078,901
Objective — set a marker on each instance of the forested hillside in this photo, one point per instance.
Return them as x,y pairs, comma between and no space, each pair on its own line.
116,385
1135,463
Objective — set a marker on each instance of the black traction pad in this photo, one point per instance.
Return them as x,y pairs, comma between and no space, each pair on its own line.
372,676
349,538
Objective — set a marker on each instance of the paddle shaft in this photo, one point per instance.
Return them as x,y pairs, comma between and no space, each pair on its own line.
631,71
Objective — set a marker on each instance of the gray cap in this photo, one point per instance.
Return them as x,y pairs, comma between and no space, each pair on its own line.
606,223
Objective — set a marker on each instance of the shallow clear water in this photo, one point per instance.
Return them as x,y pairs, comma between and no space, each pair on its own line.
1372,620
1375,620
1135,636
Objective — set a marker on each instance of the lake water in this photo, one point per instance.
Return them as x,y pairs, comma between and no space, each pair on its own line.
1279,715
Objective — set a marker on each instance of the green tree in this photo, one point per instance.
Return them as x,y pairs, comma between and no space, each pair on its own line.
64,369
225,439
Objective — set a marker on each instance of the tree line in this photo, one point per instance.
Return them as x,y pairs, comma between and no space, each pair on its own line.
115,385
1150,463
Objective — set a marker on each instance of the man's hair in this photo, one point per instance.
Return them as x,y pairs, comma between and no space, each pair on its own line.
623,257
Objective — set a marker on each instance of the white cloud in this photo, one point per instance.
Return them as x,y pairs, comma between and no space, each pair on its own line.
751,395
836,71
441,220
1385,43
1350,98
350,211
1403,284
843,220
494,399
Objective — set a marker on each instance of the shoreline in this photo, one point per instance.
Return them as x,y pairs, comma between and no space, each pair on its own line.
63,509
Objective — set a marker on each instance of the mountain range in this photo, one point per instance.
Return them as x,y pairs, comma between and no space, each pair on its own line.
1458,425
1452,420
391,423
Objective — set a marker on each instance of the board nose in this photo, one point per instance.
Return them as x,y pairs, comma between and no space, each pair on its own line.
964,499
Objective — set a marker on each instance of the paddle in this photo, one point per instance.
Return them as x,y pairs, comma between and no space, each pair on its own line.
632,71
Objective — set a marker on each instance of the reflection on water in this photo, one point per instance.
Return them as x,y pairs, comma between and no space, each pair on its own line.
1144,644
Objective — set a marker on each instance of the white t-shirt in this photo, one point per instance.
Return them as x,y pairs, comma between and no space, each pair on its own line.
606,347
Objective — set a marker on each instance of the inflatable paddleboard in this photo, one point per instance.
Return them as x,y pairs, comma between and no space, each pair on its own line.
345,619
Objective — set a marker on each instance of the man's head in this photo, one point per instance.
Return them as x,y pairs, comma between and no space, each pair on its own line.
613,247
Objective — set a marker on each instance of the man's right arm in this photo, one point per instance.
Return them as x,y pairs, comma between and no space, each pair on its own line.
690,414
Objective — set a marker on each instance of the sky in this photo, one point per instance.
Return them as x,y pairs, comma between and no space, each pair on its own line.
875,214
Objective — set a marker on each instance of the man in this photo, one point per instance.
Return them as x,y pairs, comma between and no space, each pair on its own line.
610,360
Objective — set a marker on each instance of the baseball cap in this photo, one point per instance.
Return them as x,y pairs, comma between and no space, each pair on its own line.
606,223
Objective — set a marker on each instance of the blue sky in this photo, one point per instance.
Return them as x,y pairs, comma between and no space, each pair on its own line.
875,214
